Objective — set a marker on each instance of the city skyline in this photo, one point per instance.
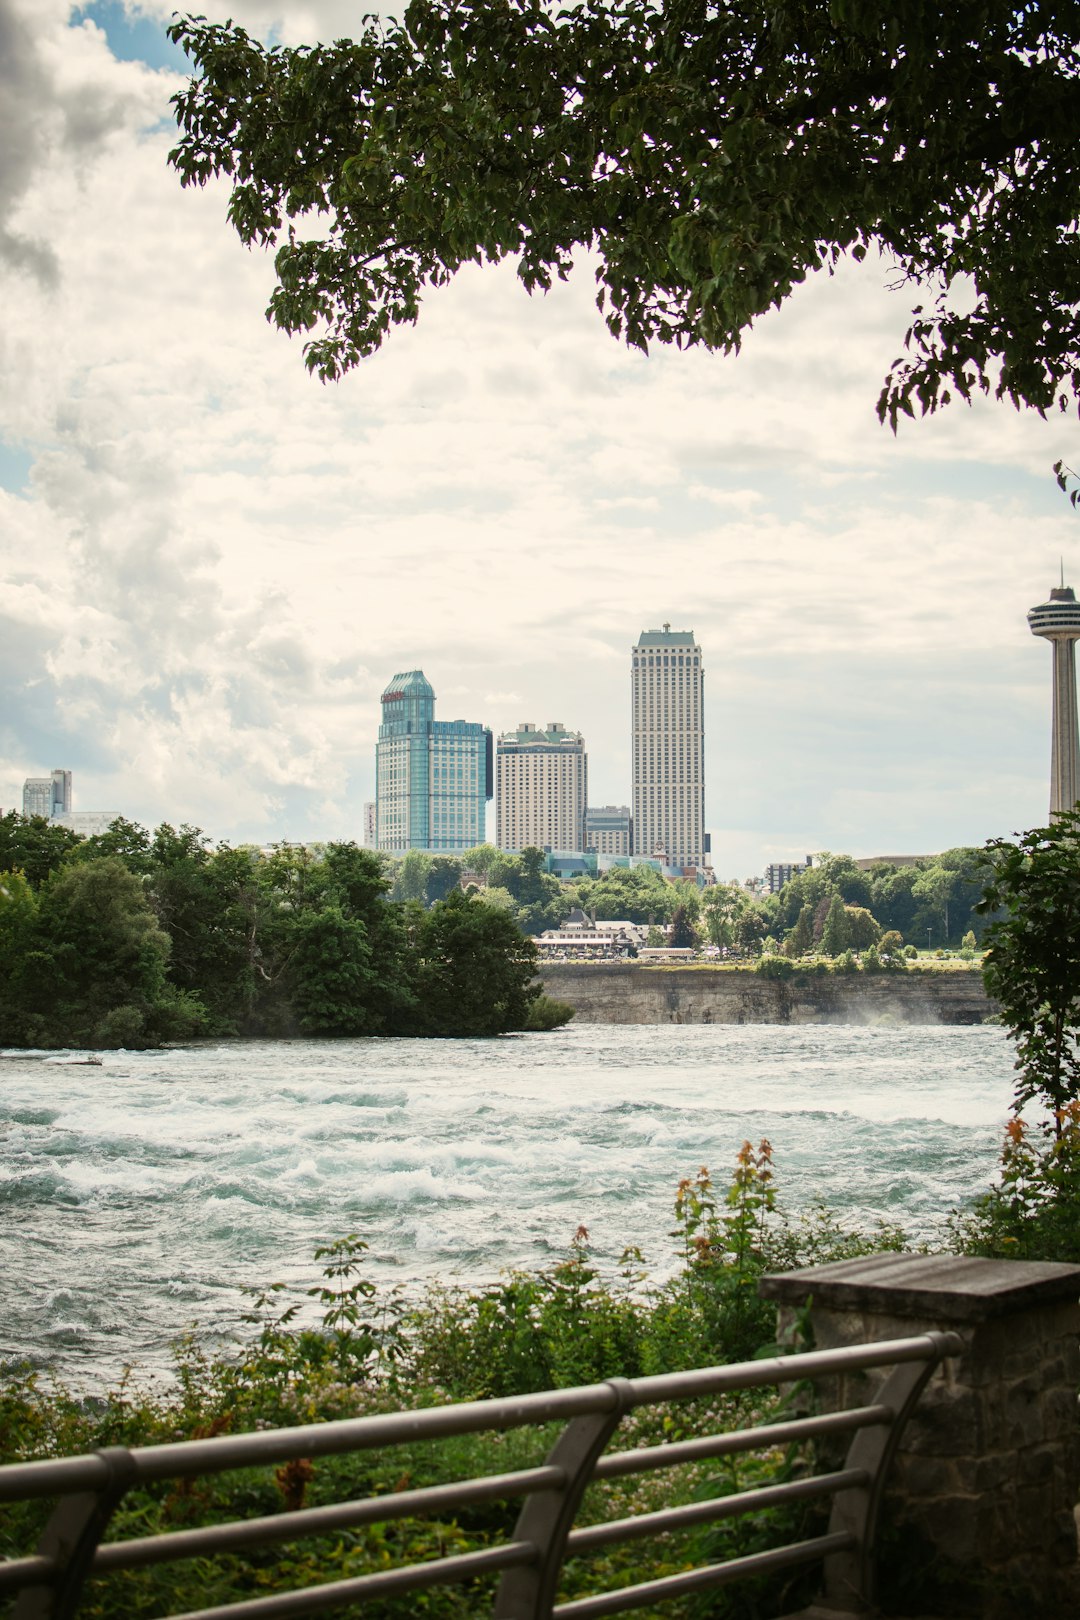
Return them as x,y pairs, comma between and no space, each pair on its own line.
213,561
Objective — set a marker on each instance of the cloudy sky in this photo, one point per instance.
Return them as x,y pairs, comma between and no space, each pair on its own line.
213,564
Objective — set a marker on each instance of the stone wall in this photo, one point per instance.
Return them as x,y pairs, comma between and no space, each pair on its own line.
628,993
981,1494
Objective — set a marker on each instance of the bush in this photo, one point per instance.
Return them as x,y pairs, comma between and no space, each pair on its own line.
775,967
547,1013
1033,1212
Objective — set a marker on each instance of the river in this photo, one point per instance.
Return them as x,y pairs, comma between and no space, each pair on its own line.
142,1196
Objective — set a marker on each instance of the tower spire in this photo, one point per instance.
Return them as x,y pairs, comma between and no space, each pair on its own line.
1058,621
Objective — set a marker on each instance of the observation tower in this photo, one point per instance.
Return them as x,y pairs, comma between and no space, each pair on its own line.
1058,621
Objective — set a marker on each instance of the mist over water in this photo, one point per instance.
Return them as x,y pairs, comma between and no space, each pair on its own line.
139,1197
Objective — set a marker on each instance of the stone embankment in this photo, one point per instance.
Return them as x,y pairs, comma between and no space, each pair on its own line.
628,993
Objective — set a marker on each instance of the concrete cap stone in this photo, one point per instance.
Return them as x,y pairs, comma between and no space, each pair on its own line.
943,1287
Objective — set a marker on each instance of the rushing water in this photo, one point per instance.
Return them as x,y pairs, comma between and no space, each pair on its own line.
142,1195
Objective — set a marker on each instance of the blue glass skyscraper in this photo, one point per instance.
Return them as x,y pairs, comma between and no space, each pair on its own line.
433,777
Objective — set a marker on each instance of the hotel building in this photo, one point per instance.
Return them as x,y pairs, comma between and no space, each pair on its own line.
433,777
667,683
47,796
608,829
541,788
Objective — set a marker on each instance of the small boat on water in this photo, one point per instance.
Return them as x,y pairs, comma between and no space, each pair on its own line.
91,1060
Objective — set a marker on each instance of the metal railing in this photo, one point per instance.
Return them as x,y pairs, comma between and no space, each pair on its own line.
72,1549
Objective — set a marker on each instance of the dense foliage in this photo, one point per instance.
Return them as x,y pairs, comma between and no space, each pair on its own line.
711,157
130,939
1031,966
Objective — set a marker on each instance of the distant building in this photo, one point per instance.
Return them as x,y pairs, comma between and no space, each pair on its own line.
51,797
433,777
88,823
48,796
609,829
668,701
777,873
570,864
371,824
541,788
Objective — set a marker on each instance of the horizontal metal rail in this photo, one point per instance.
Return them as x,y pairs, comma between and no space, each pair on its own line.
185,1459
700,1580
89,1488
725,1445
717,1507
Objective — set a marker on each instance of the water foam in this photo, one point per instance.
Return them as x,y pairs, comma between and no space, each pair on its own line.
151,1190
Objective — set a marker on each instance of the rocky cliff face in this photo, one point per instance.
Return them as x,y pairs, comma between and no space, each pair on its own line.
625,993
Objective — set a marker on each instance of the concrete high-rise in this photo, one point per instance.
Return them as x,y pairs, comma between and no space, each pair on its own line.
608,829
541,788
432,777
48,796
1058,621
669,747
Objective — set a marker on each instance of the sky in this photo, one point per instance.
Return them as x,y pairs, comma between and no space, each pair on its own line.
213,563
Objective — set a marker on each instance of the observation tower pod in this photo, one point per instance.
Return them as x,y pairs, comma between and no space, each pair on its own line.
1058,621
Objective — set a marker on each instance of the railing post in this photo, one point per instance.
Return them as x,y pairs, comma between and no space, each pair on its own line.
985,1478
850,1576
548,1516
71,1538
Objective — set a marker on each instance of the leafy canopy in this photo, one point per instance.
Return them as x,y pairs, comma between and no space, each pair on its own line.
1031,966
710,156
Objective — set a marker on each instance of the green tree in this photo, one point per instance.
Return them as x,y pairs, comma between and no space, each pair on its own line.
1031,966
752,931
411,876
844,878
95,973
18,916
891,899
475,971
801,939
443,875
835,935
862,930
541,900
632,894
683,936
709,159
479,859
34,846
722,907
332,975
123,838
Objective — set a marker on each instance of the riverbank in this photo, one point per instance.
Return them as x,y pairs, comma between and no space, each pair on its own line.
630,993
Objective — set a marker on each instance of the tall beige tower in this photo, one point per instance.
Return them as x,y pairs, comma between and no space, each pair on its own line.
1058,621
541,788
668,686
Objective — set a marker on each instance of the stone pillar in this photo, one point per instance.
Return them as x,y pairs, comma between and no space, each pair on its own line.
979,1505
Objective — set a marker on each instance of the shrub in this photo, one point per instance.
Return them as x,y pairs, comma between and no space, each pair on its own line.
547,1013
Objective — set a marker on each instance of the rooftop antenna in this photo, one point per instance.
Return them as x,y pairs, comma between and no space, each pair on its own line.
1062,561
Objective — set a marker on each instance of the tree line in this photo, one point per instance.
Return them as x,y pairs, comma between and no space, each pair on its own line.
131,938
